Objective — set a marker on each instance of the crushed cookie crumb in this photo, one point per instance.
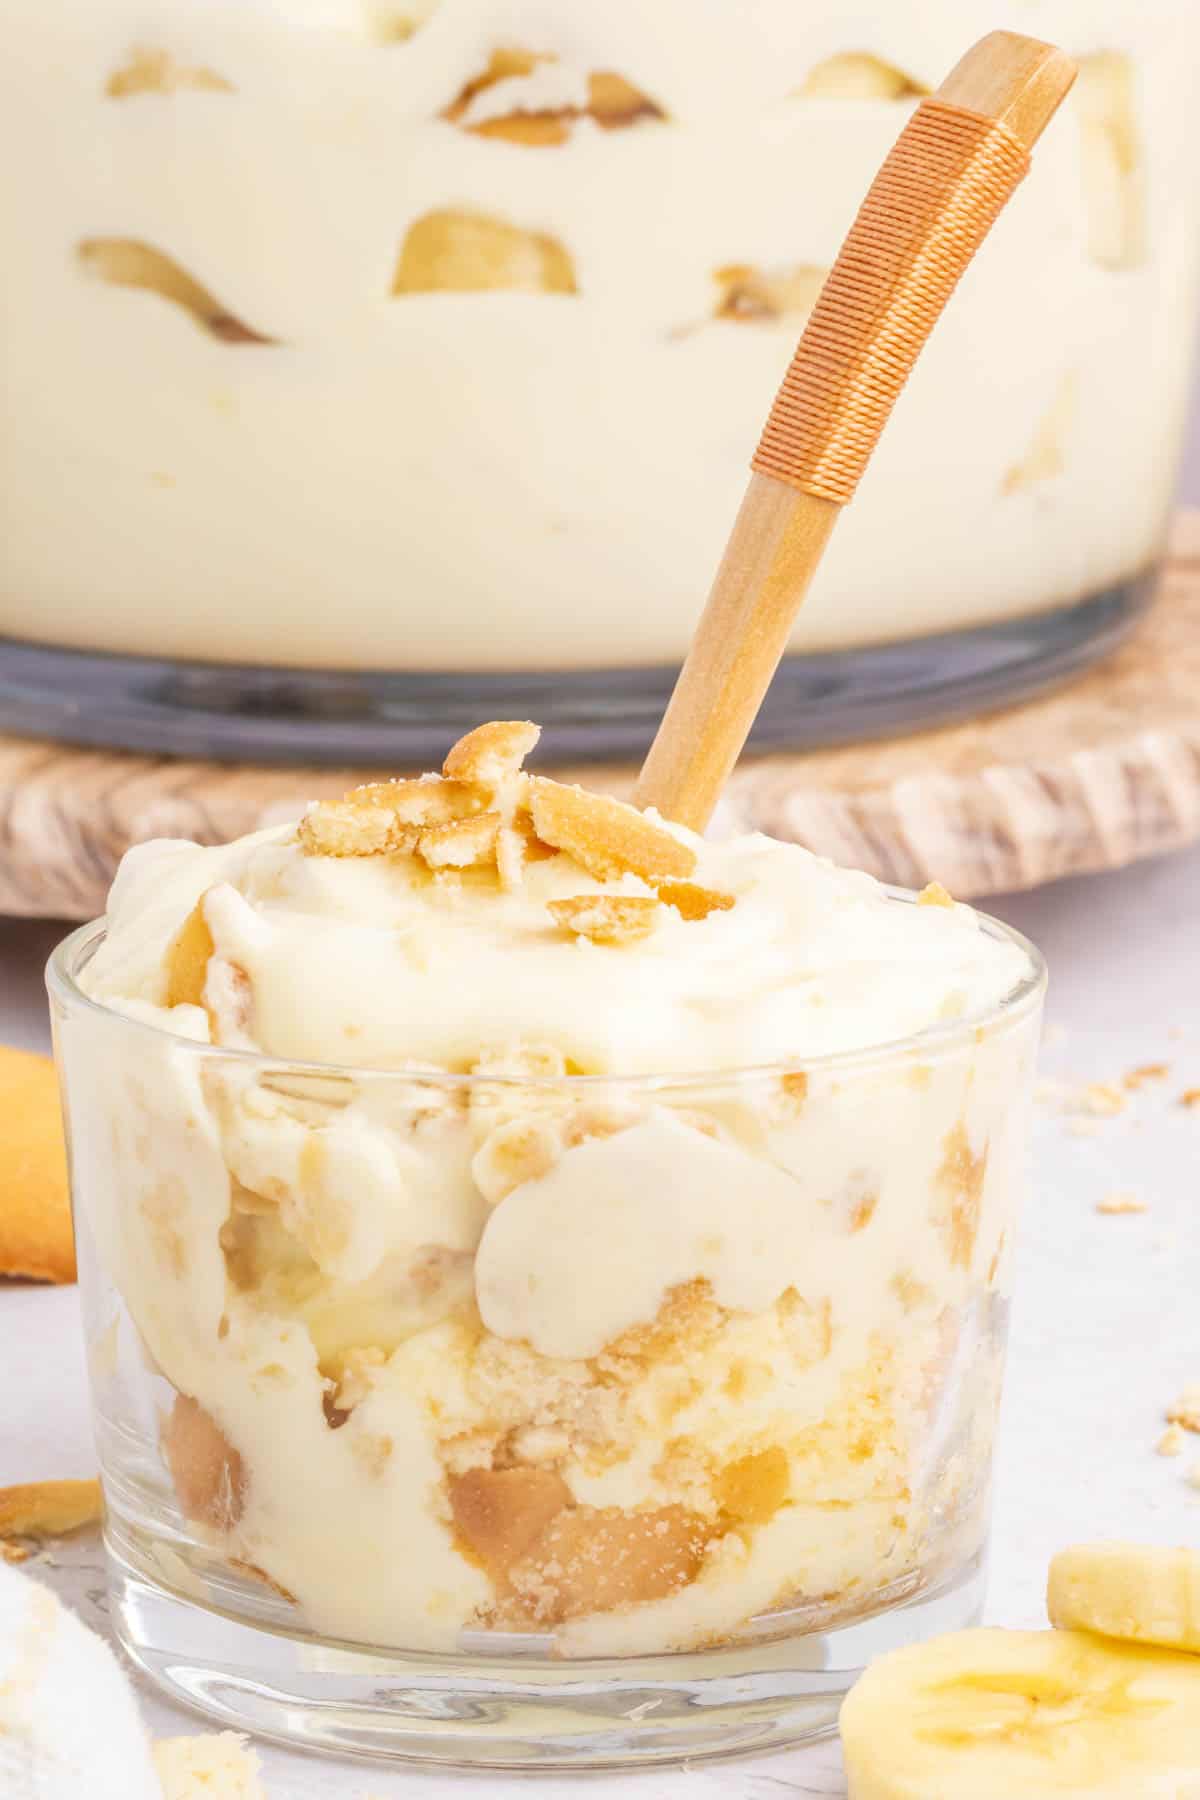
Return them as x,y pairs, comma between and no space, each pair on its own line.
510,858
1171,1442
1087,1103
958,1191
792,1095
492,752
1190,1097
934,894
1121,1203
460,843
369,821
386,817
691,901
1102,1099
607,918
15,1553
1137,1078
863,1203
1193,1476
348,828
1186,1410
421,800
606,837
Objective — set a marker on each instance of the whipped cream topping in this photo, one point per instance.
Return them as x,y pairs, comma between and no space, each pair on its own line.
624,1359
369,962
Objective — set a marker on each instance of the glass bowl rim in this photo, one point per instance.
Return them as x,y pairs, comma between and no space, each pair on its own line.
71,955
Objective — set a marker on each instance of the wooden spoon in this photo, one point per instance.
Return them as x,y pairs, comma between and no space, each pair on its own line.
954,166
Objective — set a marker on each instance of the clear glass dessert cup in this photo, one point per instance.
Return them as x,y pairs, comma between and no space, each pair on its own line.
541,1419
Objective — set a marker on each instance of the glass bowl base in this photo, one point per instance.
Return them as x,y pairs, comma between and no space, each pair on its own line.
226,713
514,1712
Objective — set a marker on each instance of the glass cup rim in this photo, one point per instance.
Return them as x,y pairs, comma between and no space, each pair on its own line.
72,954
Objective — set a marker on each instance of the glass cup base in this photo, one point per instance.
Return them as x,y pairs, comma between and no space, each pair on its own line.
226,713
517,1712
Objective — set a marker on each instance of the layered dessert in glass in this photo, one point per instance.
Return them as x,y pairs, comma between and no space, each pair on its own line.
511,1224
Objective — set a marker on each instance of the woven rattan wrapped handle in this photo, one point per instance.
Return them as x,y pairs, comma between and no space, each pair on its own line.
954,166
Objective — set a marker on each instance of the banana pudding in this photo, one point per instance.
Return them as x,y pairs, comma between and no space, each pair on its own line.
529,1218
350,316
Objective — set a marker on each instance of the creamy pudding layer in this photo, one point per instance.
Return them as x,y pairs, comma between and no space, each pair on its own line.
348,316
528,1314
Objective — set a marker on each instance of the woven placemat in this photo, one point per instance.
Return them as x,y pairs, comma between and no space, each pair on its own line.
1092,776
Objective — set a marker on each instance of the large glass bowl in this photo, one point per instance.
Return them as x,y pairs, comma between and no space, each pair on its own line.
375,365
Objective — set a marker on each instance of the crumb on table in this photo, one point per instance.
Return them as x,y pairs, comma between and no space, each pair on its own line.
1121,1203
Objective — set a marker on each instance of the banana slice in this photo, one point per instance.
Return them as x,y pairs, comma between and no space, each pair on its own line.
1024,1715
1141,1592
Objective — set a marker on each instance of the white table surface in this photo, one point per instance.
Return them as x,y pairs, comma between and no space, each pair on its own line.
1106,1325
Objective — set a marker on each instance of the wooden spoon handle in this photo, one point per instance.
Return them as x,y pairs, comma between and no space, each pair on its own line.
944,184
